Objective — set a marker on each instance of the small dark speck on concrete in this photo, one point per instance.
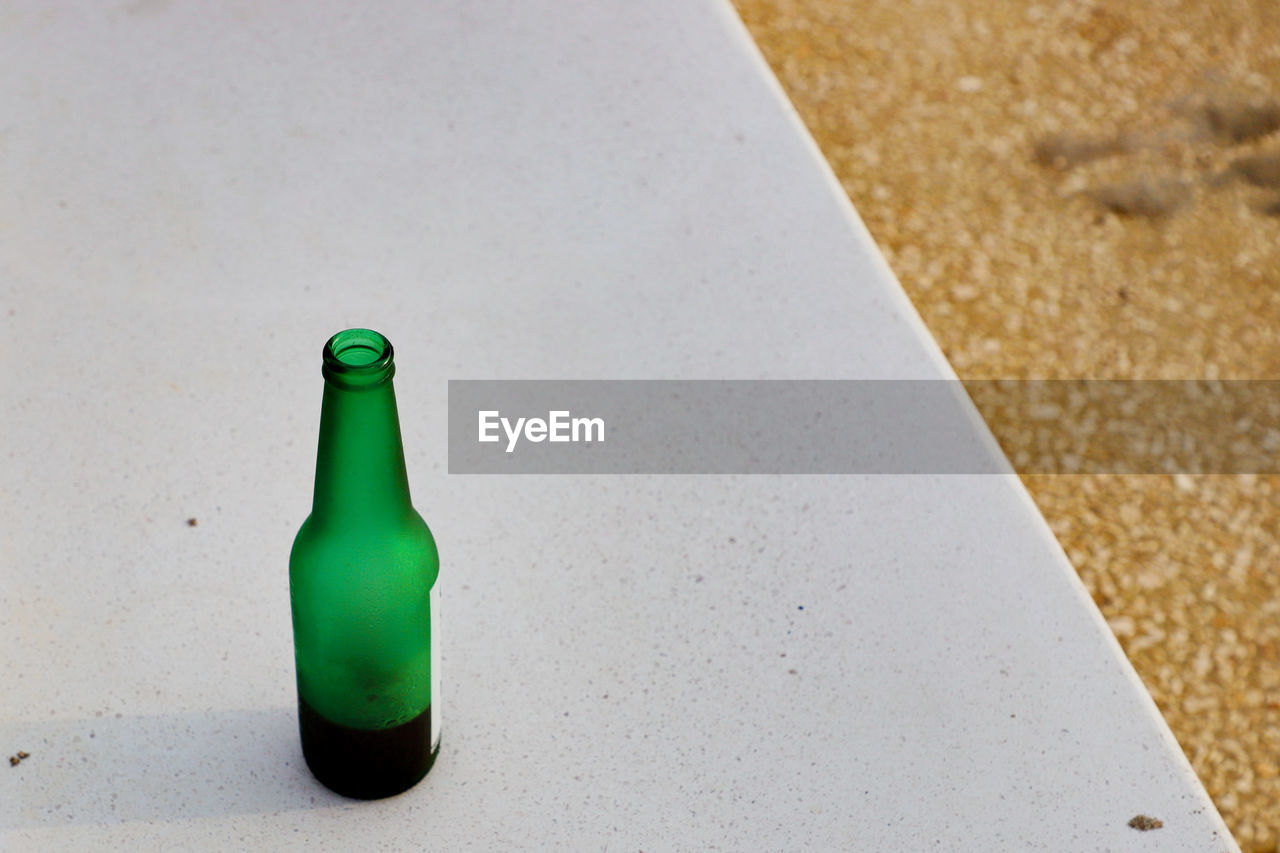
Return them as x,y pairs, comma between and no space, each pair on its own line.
14,760
1143,823
191,522
801,607
792,672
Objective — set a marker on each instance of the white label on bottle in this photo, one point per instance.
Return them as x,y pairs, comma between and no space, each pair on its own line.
434,603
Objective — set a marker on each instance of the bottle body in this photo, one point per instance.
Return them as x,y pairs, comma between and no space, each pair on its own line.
363,588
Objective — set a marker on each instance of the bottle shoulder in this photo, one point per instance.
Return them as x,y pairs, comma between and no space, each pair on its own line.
403,523
322,544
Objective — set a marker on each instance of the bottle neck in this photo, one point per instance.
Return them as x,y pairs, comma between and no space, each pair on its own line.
360,470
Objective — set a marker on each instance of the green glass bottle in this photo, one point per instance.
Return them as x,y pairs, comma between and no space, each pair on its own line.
362,581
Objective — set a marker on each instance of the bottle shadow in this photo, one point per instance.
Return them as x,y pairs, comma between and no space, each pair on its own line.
164,767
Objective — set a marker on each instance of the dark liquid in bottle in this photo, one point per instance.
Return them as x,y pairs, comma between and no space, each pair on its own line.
366,763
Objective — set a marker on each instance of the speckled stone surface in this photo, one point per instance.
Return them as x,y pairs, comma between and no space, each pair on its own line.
196,198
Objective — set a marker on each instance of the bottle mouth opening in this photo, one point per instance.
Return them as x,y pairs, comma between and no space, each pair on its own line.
358,355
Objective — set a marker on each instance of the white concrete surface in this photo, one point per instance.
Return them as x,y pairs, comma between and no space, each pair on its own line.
194,196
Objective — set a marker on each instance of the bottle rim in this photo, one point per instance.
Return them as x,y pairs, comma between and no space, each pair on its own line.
358,358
